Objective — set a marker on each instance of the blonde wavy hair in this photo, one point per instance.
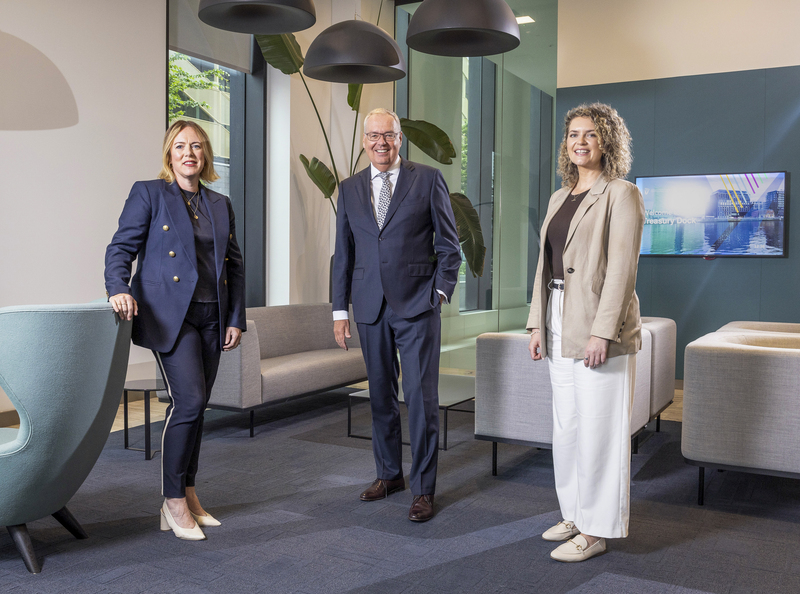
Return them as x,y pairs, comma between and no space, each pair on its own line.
615,142
207,174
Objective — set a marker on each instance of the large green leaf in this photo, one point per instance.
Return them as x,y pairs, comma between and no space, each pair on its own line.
470,235
354,96
320,175
281,52
431,140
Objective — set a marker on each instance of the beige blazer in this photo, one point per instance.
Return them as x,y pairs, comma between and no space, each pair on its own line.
601,256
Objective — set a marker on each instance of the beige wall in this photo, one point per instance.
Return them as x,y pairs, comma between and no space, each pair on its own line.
625,40
300,220
62,189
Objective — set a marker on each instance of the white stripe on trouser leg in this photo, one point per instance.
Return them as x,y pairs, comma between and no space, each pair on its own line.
166,421
591,434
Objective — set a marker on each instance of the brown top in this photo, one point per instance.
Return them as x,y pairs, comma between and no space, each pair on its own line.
557,233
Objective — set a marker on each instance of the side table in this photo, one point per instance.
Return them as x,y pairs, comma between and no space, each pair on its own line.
454,390
148,388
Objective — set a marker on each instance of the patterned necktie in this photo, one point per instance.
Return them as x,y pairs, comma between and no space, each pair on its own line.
384,198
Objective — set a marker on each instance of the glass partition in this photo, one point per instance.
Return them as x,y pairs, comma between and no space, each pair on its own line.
498,112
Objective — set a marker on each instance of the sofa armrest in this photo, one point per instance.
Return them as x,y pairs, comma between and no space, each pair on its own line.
513,395
238,383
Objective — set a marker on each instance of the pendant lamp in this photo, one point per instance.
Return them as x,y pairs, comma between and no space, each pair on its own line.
261,17
463,28
354,52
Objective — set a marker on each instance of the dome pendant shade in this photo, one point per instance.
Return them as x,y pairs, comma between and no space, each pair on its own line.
261,17
463,28
354,52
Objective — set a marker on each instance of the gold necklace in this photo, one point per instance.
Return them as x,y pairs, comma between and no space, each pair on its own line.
190,204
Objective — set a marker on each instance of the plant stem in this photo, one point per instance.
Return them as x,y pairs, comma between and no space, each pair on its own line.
380,7
353,146
325,134
333,206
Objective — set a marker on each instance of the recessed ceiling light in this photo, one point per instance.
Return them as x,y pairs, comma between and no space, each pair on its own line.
524,20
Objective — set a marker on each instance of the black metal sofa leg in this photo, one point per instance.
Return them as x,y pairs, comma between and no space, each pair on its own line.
19,534
701,486
68,521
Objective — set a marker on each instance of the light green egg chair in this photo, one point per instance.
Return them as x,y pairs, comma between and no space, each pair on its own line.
63,367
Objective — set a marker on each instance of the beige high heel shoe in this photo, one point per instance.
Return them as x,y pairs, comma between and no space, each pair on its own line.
206,520
168,523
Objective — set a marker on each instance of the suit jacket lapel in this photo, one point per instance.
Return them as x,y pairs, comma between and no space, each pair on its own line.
220,224
594,194
365,192
176,207
405,179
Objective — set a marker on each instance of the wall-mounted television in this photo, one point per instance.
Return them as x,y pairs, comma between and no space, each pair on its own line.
724,214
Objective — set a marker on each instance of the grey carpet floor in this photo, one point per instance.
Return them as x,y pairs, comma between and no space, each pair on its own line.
292,521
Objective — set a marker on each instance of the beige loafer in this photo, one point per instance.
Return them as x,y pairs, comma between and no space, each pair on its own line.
577,549
562,531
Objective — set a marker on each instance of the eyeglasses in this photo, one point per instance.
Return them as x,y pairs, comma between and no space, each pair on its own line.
376,136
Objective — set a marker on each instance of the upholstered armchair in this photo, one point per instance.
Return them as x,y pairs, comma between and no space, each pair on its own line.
740,400
513,395
63,367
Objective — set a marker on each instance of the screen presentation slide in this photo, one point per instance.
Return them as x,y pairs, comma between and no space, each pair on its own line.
728,214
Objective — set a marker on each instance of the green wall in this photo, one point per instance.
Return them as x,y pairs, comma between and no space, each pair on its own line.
736,121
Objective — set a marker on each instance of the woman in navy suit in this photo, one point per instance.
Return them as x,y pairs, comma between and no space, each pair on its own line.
186,301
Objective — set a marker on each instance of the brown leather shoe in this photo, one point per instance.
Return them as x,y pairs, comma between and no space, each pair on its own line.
421,508
380,489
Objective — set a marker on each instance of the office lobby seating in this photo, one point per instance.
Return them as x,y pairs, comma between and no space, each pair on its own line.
740,394
63,368
663,333
287,352
513,395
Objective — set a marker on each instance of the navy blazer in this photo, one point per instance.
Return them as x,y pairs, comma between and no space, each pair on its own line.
414,255
155,226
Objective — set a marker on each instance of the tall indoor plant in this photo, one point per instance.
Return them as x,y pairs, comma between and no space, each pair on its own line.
284,53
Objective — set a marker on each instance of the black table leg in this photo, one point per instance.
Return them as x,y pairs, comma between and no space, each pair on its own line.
445,429
125,417
148,454
349,416
494,458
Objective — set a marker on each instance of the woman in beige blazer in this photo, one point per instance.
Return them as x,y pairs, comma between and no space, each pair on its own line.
584,304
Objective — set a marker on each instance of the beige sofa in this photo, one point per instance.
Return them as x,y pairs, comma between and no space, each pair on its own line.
513,396
740,392
287,352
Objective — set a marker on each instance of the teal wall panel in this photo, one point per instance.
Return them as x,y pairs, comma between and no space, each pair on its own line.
734,121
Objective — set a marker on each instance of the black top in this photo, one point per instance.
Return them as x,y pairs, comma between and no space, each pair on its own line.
206,289
557,233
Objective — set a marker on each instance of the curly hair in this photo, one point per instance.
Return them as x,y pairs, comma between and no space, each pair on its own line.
615,142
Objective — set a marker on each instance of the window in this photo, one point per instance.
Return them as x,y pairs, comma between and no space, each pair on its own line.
200,91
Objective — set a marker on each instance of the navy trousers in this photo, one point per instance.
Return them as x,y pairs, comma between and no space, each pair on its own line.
418,340
189,371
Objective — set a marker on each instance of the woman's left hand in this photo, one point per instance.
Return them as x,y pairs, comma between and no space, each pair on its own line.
596,352
232,338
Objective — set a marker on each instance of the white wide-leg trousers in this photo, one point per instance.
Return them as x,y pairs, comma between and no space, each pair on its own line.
591,434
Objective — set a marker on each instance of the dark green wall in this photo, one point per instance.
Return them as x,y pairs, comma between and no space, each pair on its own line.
737,121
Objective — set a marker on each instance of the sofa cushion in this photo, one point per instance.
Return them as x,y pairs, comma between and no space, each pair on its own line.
301,373
289,329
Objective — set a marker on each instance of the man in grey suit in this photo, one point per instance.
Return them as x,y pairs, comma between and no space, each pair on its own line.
397,259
